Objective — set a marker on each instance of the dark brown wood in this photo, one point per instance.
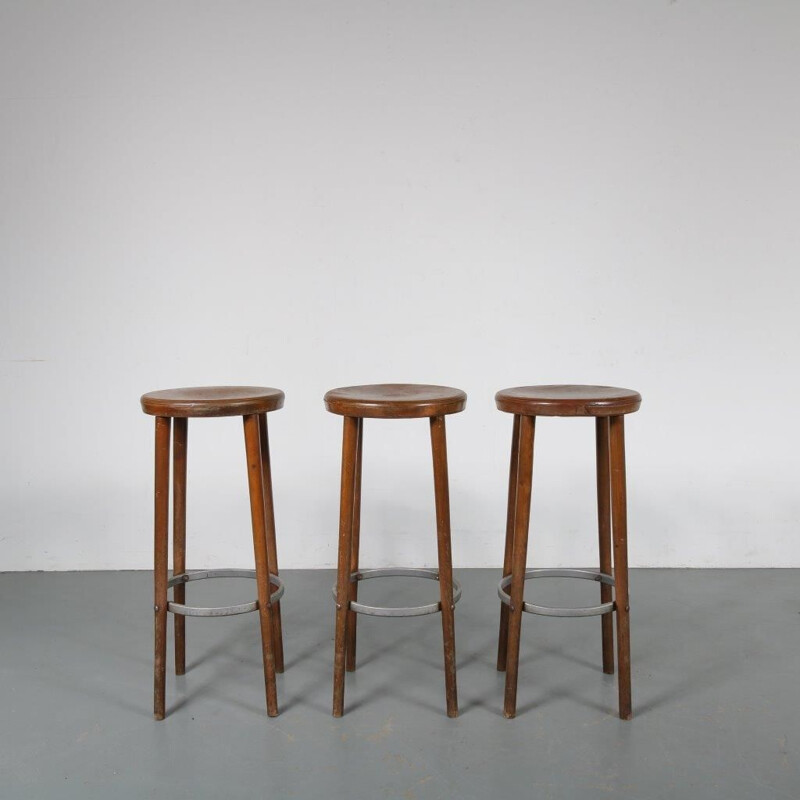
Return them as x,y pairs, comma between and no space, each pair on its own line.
347,501
568,401
502,641
518,561
620,529
395,400
442,495
255,477
604,536
179,454
352,617
212,401
272,545
160,565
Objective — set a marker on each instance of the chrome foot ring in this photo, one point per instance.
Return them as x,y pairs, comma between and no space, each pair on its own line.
411,611
550,611
220,611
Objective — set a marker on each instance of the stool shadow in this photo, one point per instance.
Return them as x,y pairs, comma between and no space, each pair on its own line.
233,643
389,690
378,653
553,696
91,691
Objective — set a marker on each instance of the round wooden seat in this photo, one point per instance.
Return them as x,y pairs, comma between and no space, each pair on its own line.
395,401
212,401
568,401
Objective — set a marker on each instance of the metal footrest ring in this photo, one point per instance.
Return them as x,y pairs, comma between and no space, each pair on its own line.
220,611
411,611
550,611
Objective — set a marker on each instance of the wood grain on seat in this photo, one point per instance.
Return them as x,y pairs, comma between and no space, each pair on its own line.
212,401
395,400
568,401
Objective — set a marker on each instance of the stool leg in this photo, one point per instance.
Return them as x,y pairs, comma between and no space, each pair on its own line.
255,477
272,545
442,494
161,551
620,525
518,561
352,617
502,642
347,501
179,453
604,532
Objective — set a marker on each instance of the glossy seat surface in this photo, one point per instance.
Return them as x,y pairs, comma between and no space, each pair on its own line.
568,401
212,401
395,400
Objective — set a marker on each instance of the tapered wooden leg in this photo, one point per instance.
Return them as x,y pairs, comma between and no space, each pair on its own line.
604,533
442,494
620,526
352,617
349,458
160,566
272,546
179,453
255,477
502,642
518,560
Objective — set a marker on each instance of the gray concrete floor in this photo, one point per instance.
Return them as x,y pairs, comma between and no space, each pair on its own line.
716,659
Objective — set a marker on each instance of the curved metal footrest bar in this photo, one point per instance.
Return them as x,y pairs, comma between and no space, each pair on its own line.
550,611
392,572
220,611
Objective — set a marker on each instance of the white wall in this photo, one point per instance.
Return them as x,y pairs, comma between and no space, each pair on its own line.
310,195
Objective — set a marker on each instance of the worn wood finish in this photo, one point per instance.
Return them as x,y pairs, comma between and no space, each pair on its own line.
568,401
518,561
442,495
255,475
347,502
604,536
352,617
160,566
212,401
395,400
179,455
620,530
272,545
502,641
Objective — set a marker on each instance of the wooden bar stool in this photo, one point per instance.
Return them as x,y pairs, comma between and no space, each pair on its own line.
391,401
609,406
252,403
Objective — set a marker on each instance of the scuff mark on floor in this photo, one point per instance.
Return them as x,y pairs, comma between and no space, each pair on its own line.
387,729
